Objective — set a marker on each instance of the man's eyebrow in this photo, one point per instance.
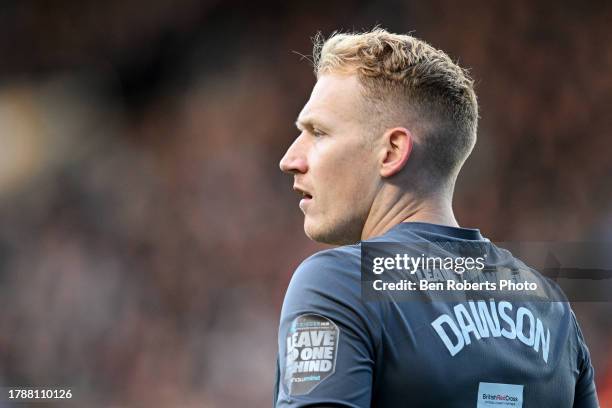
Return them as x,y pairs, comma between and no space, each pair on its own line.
303,124
309,123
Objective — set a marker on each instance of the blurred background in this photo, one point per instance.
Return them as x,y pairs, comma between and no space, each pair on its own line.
146,233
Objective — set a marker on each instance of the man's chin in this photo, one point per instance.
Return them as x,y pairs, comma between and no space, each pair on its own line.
330,235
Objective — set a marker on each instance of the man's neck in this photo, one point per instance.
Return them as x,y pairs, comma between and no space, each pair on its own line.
434,210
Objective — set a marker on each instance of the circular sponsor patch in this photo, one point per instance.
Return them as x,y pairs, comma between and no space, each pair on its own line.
312,346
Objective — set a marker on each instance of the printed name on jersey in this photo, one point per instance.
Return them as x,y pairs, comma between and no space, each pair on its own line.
481,320
312,347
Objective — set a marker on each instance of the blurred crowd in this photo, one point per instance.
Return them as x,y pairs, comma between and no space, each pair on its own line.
146,233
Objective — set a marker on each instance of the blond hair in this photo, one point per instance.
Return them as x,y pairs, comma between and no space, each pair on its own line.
403,72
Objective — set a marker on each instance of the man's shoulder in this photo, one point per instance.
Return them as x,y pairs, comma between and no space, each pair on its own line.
341,254
328,283
331,275
330,265
350,255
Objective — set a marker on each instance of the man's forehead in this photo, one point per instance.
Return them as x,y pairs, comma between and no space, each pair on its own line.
334,97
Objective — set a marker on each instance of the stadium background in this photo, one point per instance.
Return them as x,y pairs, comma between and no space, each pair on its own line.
146,233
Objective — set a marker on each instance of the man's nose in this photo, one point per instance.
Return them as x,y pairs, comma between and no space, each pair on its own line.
294,160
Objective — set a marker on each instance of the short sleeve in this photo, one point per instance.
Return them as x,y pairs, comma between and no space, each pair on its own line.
327,336
585,395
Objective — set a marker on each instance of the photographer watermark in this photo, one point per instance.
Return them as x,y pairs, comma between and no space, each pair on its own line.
448,271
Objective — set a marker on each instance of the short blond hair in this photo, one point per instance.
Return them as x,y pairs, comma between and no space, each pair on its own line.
407,73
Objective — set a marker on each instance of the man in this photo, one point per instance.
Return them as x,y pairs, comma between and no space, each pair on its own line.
388,126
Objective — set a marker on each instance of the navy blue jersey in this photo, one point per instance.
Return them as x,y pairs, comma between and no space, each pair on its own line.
336,349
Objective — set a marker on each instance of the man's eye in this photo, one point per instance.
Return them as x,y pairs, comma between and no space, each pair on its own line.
317,132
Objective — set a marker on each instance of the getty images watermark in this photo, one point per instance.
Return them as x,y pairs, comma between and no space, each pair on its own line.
449,271
430,273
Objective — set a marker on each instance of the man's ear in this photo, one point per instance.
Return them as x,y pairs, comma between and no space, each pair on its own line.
397,144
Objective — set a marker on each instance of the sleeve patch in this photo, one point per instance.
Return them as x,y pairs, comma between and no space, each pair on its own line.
312,347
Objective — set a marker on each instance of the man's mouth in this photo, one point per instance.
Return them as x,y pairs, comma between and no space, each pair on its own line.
306,196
